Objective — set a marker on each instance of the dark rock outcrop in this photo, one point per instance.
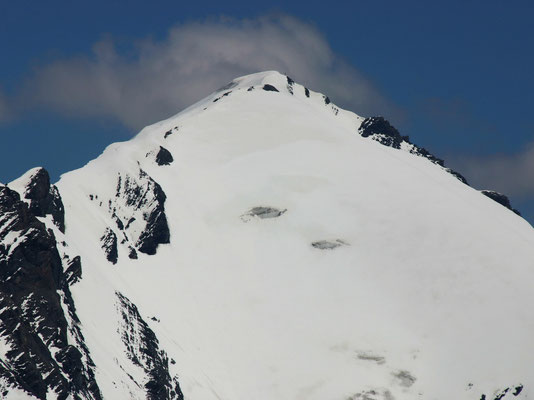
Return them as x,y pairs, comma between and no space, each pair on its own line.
164,156
109,245
269,88
500,198
382,131
379,129
290,83
132,254
161,156
170,132
73,272
33,287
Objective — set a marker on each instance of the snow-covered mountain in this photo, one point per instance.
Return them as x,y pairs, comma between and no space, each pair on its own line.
264,244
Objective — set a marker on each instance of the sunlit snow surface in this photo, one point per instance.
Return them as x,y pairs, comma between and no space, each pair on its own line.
429,297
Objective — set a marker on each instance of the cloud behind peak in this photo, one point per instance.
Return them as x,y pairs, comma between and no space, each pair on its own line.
512,174
158,78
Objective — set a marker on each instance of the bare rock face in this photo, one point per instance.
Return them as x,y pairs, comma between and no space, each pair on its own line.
45,349
141,198
109,245
138,209
142,348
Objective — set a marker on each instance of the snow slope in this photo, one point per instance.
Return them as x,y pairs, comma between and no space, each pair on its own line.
423,291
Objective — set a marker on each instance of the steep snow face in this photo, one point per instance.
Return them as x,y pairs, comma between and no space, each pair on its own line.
271,251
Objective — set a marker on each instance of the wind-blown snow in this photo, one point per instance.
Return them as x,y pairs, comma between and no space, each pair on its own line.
429,298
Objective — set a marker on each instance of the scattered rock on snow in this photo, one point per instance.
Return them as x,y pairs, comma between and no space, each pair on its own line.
220,97
371,357
506,393
170,132
290,83
329,244
372,394
517,390
405,378
262,212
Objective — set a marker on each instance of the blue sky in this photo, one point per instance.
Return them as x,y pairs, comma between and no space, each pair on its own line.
455,76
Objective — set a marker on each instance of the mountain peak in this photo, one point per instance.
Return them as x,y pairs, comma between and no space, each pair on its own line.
256,79
263,243
267,81
43,198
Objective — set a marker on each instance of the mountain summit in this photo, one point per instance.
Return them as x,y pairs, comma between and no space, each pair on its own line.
263,244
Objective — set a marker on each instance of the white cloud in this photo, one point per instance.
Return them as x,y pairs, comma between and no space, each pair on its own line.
160,78
511,174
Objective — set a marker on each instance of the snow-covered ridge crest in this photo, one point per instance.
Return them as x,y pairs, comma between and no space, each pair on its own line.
266,80
374,128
